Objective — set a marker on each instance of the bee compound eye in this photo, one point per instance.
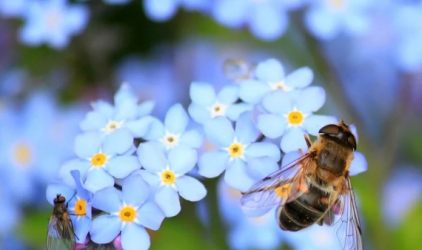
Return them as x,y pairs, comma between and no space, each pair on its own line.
331,129
351,139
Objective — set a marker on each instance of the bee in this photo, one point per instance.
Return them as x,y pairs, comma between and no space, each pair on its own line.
315,188
61,234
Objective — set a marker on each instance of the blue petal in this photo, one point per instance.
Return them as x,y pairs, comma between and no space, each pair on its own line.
151,156
108,200
122,166
358,165
267,22
234,111
87,144
260,167
212,163
202,94
160,11
182,159
252,91
80,190
199,113
277,102
293,140
93,121
124,93
300,78
151,178
135,237
236,175
118,142
82,227
270,70
290,157
139,127
76,164
259,149
97,179
322,24
228,94
190,188
55,188
354,131
105,228
156,130
168,200
135,190
272,126
245,129
145,108
176,119
192,138
104,108
310,99
314,123
150,215
219,131
126,110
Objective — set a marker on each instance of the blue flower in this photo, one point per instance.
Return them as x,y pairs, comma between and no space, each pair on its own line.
167,175
207,105
165,9
293,117
52,22
12,8
173,132
129,211
126,115
269,77
317,238
102,159
117,1
10,212
237,153
326,19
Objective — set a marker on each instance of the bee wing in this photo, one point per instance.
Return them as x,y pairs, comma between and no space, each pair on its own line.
349,230
264,195
60,234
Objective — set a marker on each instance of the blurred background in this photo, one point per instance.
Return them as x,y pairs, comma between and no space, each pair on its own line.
56,56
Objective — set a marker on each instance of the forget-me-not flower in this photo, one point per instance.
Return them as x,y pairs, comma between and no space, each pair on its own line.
163,10
12,8
129,212
166,175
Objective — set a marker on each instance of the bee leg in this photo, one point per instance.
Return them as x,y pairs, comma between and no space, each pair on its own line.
308,141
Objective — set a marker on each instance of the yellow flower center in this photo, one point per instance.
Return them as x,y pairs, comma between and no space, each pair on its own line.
127,214
336,4
283,191
23,154
236,150
217,110
168,177
279,85
80,207
295,117
111,126
98,160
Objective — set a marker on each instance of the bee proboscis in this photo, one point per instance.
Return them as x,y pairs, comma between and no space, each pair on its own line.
315,188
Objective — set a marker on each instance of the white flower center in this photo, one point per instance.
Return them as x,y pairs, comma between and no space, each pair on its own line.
111,126
217,109
279,85
170,140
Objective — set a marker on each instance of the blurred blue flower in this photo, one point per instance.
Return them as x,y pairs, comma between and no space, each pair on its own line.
10,213
102,159
13,82
270,76
52,22
317,238
292,118
173,132
12,8
237,152
326,19
126,115
117,1
166,175
129,211
206,104
165,9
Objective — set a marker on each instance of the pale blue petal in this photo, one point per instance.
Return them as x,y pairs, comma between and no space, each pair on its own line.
290,157
322,24
156,130
76,164
124,93
219,131
245,129
252,91
150,215
168,200
270,70
354,131
260,167
277,102
135,190
314,123
202,94
160,11
118,142
126,110
199,113
139,127
153,179
272,126
234,111
190,188
176,119
359,164
310,99
145,108
105,228
151,156
259,149
55,188
87,144
104,108
293,140
267,22
97,179
93,121
80,189
300,78
237,177
212,163
108,200
192,138
182,159
122,166
82,227
229,94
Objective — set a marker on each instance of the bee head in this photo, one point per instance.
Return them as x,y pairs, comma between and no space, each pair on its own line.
340,132
59,199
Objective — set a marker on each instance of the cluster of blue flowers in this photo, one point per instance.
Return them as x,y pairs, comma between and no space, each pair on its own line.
133,167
